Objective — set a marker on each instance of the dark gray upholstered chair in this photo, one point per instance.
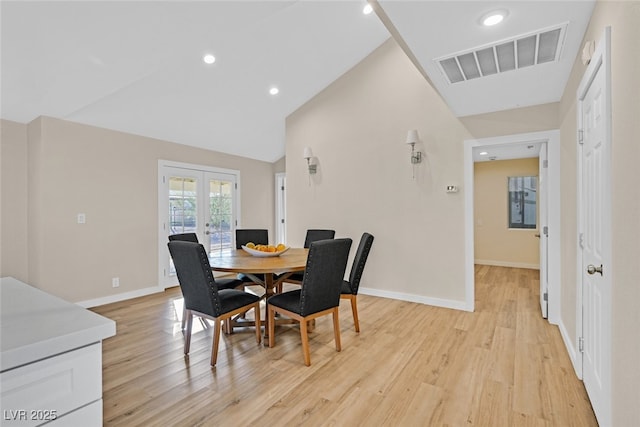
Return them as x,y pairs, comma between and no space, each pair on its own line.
350,287
313,235
320,292
203,298
255,235
184,237
222,283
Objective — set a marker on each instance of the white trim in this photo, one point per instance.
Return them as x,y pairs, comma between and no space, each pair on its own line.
507,264
281,208
552,138
437,302
120,297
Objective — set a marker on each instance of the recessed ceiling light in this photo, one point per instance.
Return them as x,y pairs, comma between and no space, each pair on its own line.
209,59
274,90
367,9
493,18
483,153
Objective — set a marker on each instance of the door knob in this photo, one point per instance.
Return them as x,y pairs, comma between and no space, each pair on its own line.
592,269
537,235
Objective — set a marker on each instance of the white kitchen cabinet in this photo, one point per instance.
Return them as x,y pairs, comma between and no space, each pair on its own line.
50,360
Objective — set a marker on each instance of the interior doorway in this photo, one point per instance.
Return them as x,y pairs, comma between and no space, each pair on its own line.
509,147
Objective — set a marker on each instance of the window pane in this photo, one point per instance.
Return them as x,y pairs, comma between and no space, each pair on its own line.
182,204
522,201
221,212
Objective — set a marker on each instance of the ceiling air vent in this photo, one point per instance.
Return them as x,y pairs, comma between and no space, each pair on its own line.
519,52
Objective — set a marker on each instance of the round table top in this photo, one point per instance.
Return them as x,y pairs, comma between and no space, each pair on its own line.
239,261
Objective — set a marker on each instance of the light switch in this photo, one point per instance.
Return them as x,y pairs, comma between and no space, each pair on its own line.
82,218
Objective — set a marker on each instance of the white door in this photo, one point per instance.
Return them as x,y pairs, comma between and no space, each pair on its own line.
204,202
543,228
594,107
281,208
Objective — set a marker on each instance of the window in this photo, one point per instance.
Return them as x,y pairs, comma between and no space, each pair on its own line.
522,201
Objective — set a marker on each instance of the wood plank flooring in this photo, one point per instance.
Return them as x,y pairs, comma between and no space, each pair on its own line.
411,365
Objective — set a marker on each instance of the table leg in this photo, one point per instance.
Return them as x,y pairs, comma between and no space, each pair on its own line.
269,290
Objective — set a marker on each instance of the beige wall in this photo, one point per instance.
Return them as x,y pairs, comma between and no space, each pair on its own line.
495,243
510,122
624,18
112,178
13,176
357,129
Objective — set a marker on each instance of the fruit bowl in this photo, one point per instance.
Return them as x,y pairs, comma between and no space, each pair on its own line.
263,254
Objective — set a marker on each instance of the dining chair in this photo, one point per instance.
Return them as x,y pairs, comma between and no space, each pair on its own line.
319,294
259,237
224,283
312,235
350,287
256,235
184,237
203,298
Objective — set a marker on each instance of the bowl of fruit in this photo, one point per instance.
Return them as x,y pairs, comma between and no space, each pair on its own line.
264,250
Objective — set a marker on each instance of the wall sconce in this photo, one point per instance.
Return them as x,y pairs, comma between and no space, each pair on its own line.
416,156
311,161
413,138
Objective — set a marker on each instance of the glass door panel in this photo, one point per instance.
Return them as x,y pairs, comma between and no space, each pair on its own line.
220,218
183,205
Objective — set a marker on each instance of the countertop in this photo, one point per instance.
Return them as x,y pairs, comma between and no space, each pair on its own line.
35,325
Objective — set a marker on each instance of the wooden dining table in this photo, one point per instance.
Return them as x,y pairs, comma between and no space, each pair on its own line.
274,270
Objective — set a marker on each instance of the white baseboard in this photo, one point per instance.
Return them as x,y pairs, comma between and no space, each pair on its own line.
507,264
438,302
571,350
120,297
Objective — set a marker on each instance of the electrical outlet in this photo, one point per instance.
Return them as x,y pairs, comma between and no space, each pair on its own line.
82,218
115,282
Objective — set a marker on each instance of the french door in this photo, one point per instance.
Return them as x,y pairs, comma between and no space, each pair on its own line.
200,201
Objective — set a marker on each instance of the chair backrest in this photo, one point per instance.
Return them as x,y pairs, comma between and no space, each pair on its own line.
315,235
359,261
184,237
198,286
323,275
255,235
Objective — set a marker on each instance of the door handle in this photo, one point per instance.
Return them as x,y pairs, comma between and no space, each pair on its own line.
592,269
537,235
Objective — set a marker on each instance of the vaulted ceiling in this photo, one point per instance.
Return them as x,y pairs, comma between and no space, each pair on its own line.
138,67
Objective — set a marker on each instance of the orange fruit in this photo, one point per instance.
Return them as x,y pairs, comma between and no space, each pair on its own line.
280,247
271,248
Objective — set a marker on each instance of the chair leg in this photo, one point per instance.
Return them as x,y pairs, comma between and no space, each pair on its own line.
187,333
184,316
216,340
272,325
257,322
354,310
336,329
304,336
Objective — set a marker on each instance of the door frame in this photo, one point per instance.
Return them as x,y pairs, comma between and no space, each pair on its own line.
281,207
552,139
163,215
600,61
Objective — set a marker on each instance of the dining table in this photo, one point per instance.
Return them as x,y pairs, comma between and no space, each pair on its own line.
266,271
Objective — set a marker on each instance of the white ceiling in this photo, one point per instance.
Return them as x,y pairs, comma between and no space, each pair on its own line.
137,67
433,29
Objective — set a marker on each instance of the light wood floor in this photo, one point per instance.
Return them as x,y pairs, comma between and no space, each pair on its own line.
411,365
